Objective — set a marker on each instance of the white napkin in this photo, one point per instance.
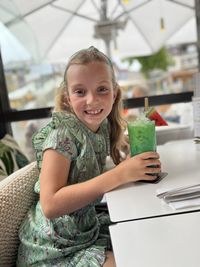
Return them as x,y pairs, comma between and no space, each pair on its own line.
185,204
181,197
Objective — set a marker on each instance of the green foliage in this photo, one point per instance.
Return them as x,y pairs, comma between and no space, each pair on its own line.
160,60
11,159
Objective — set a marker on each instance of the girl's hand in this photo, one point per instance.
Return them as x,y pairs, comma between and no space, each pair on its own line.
138,167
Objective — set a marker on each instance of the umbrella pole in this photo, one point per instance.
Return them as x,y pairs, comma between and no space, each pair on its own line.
107,44
104,18
197,12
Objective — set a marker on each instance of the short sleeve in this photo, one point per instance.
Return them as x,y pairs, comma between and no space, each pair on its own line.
56,137
60,140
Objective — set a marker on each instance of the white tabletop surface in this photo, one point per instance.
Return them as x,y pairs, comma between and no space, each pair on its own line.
168,241
181,160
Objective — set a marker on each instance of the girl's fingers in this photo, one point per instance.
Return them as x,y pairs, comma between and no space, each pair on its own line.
152,170
149,155
151,162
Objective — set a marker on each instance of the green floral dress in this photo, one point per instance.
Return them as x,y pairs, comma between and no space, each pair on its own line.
80,238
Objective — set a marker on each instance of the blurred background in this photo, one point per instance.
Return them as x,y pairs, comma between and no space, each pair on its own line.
152,43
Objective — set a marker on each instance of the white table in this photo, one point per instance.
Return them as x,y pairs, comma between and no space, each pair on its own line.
168,241
181,160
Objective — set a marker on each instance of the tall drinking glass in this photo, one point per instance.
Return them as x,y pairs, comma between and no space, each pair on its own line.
142,135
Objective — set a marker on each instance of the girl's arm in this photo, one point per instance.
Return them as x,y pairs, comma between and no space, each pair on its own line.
57,199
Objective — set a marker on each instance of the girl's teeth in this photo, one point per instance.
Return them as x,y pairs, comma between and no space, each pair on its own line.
93,112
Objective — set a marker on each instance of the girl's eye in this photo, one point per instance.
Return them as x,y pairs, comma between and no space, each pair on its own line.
79,92
103,90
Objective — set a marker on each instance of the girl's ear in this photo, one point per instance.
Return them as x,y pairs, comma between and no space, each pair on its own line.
116,92
67,101
66,98
114,97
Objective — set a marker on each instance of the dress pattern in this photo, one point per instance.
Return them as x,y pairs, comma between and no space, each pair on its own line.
80,238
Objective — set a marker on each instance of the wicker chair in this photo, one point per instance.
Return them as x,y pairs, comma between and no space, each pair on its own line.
16,197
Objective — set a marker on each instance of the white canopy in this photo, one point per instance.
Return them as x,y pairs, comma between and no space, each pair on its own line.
186,34
54,29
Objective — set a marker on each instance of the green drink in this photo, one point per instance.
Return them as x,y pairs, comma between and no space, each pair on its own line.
142,135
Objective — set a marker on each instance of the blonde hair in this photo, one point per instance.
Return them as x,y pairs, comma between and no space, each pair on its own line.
117,124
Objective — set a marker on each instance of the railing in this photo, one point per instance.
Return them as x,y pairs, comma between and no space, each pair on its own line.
39,113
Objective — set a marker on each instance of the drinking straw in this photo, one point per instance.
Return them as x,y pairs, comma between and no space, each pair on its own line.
146,104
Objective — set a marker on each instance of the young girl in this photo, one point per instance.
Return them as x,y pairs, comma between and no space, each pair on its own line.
63,228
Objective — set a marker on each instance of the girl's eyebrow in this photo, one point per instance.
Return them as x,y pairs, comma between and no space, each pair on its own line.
104,81
74,86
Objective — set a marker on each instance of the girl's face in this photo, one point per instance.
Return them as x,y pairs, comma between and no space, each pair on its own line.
91,92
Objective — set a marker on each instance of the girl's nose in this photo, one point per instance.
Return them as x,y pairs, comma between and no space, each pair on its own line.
90,98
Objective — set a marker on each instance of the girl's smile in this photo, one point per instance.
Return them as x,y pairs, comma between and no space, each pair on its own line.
93,112
91,92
